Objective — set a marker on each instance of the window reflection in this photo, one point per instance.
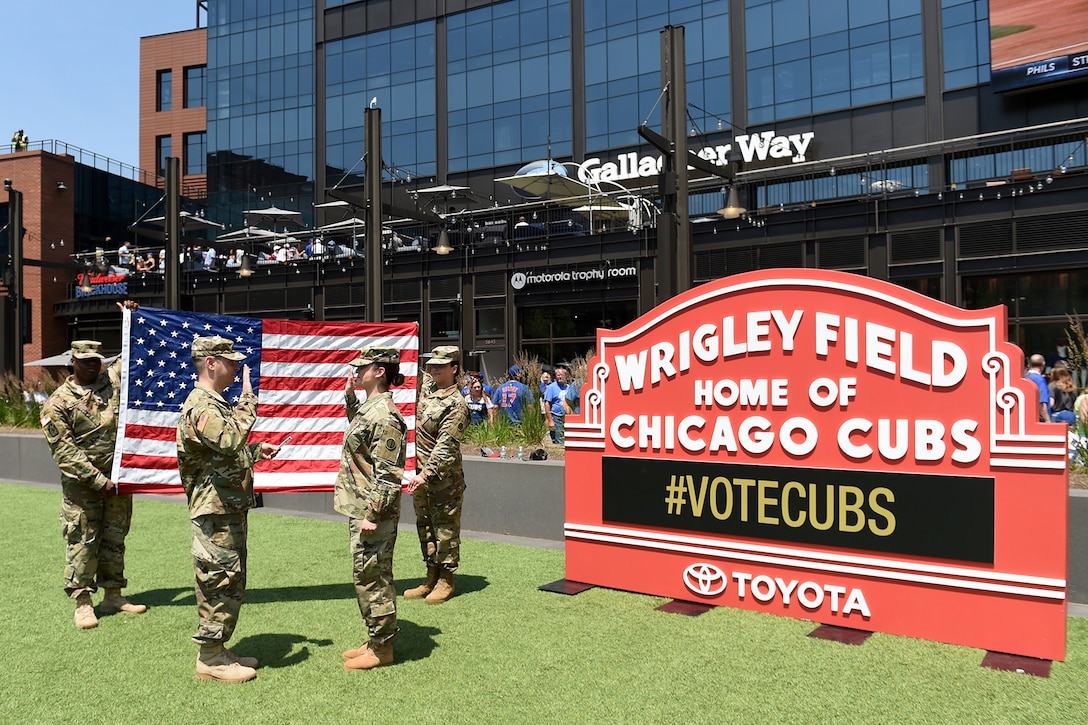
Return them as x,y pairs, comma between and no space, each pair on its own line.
508,84
860,46
623,64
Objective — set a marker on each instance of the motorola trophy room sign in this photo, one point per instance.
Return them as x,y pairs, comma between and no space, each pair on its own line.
824,446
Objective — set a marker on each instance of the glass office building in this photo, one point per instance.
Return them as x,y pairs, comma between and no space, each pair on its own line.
865,136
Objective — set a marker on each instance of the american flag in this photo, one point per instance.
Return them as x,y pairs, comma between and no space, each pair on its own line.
298,370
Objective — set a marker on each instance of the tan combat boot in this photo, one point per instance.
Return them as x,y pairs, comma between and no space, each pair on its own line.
371,658
242,660
425,588
213,663
84,616
113,603
443,590
357,652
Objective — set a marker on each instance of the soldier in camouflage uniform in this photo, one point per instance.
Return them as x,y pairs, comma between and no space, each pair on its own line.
80,425
368,493
439,487
216,466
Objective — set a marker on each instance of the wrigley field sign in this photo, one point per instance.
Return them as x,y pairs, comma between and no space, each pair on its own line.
829,447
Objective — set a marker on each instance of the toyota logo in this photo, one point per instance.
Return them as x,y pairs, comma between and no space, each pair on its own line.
705,580
518,280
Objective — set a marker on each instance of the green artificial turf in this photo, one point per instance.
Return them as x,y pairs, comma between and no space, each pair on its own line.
499,652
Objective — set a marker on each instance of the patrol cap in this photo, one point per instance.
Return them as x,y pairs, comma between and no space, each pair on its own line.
84,349
370,355
216,346
445,354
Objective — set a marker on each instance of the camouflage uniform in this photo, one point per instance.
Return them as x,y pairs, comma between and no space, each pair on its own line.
80,425
441,419
368,487
216,466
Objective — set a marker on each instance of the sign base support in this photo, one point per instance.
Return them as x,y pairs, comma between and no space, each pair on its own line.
843,635
679,606
565,586
1017,663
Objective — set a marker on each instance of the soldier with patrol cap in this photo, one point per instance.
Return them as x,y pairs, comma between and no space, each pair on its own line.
80,424
438,487
216,466
368,491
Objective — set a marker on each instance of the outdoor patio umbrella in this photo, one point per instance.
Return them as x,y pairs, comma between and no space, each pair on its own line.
274,216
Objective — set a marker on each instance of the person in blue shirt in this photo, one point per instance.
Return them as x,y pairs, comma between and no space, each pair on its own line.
555,399
470,376
573,398
480,407
1036,366
513,395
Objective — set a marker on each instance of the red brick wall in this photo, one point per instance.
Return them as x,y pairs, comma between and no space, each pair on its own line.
175,52
49,219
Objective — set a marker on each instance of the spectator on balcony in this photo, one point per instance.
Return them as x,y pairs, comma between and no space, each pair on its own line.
162,260
234,258
210,259
316,248
124,253
145,263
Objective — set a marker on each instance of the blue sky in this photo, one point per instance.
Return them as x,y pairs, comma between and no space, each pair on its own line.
71,69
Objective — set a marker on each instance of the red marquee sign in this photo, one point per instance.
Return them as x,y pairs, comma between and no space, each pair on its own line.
829,447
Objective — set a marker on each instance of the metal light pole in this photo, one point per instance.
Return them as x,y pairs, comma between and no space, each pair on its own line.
372,213
15,286
674,213
172,235
673,262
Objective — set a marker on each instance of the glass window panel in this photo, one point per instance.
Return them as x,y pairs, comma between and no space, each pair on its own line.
791,51
479,38
831,73
790,19
620,54
792,81
867,12
870,65
760,87
165,90
507,82
831,17
906,26
907,58
534,27
757,28
959,47
869,34
559,73
904,8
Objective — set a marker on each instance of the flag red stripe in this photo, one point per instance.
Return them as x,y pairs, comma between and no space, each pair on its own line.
273,354
281,383
289,466
150,432
155,463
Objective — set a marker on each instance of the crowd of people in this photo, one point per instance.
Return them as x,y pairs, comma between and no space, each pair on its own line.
559,397
216,461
